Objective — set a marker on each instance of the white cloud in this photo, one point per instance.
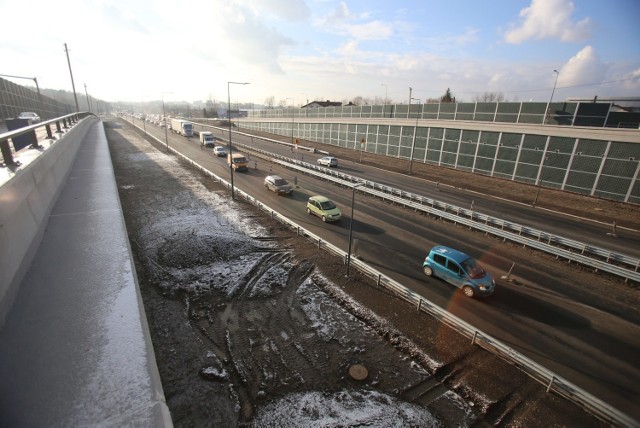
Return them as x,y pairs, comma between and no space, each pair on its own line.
375,30
343,22
348,49
549,19
287,10
583,68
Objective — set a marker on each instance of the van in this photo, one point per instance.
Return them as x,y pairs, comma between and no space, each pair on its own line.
460,270
238,161
206,139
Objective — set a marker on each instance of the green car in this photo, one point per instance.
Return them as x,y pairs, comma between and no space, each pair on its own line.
324,208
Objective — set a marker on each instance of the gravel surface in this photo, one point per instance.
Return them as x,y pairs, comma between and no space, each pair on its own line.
253,326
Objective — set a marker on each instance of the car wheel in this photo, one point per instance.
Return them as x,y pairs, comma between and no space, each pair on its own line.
427,271
308,211
324,219
468,291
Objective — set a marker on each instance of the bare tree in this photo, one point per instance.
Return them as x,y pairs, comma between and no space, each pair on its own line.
490,97
270,101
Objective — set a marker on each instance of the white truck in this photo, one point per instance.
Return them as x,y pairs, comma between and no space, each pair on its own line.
206,139
182,127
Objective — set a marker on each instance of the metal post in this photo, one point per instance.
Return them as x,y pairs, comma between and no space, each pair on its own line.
230,155
73,85
164,118
551,99
384,103
87,95
353,199
415,131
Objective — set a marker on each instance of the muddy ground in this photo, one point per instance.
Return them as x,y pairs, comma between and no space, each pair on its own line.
253,326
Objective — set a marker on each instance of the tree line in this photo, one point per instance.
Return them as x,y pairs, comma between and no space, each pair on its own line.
447,97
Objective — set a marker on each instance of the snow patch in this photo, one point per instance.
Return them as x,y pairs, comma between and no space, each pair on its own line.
343,408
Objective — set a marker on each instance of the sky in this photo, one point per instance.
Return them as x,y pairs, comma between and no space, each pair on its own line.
304,50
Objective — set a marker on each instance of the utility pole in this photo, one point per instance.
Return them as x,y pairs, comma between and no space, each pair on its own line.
73,85
87,95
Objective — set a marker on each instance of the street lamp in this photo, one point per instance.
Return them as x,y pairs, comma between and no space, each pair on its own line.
552,91
306,108
35,79
415,131
353,200
292,116
87,95
164,118
230,156
541,175
386,88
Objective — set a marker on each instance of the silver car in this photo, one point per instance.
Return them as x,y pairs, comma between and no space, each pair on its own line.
278,184
29,115
328,161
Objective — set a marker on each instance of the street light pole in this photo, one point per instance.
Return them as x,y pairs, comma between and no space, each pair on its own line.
35,80
306,108
384,104
230,155
540,176
73,85
292,116
552,91
164,118
353,200
415,131
87,95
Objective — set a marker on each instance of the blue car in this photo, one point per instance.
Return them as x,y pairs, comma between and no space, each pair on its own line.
459,269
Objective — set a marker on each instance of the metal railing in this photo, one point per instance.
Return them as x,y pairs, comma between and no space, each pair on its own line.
62,124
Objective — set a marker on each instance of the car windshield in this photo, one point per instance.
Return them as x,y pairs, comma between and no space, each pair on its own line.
473,269
239,160
279,182
327,205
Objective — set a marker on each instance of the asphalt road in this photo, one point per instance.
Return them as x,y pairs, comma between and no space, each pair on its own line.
582,326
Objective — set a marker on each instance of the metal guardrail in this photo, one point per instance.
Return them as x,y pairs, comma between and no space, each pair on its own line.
66,121
553,382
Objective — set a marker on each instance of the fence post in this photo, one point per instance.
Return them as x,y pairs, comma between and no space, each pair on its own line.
7,156
553,378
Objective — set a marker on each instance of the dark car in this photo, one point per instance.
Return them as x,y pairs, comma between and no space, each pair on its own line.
29,115
278,185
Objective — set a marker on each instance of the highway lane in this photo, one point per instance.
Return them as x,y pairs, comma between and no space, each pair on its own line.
580,229
554,314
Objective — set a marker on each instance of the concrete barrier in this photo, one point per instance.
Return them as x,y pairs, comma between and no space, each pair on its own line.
76,347
26,200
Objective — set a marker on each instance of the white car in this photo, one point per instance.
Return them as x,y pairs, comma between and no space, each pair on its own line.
219,151
328,161
29,115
